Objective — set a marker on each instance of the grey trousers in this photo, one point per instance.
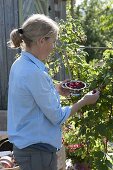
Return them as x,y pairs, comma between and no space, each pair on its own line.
32,159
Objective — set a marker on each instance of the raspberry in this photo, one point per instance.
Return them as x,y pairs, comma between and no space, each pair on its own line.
94,91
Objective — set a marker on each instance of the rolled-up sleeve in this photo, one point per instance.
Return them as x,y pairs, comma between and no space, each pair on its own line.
44,93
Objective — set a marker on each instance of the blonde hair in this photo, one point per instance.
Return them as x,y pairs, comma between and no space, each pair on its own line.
36,26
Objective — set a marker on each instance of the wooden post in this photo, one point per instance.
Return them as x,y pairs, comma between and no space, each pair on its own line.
72,8
57,9
3,120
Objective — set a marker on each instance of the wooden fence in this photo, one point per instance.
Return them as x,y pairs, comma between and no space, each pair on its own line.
13,13
8,20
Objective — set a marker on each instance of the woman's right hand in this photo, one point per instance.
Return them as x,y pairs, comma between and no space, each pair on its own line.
89,98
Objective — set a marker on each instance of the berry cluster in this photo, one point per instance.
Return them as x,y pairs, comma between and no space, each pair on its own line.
73,147
76,85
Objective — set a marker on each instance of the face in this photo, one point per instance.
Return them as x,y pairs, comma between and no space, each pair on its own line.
47,46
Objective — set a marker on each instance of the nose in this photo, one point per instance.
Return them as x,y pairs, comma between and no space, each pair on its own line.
54,44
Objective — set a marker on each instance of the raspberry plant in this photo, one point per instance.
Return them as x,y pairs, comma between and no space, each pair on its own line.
93,129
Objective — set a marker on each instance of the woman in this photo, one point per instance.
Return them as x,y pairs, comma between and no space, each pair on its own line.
35,115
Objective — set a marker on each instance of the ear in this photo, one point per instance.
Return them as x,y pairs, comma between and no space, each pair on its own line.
41,41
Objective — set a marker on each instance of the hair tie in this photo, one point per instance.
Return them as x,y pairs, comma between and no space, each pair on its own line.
20,30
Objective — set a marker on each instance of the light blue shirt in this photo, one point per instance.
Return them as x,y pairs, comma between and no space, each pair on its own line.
34,111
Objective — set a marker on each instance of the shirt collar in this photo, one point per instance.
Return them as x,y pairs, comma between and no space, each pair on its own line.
29,56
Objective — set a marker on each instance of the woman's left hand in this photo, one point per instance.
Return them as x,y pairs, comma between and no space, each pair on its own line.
62,91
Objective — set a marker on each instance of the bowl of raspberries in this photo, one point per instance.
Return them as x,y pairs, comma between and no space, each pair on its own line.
75,86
